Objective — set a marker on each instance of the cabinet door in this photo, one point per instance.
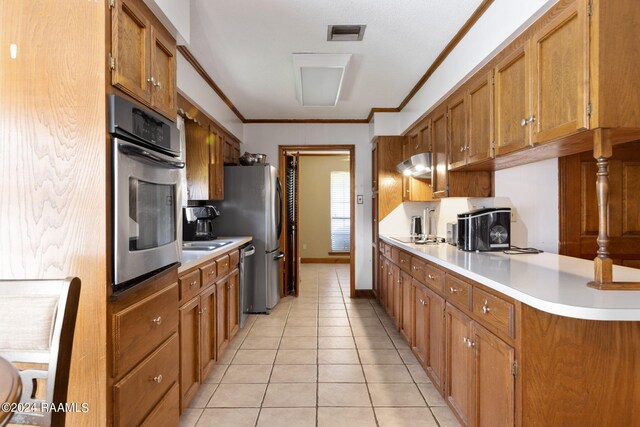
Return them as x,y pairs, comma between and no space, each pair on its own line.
388,299
459,358
189,351
560,76
130,46
234,300
207,331
163,70
439,153
216,167
480,100
457,114
435,351
383,280
414,145
494,387
197,161
397,296
512,103
406,326
421,319
222,317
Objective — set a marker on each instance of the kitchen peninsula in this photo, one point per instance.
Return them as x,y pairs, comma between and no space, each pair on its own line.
503,336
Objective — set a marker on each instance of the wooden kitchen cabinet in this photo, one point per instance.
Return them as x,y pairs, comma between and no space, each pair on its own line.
143,57
190,350
144,342
439,152
512,102
204,163
406,323
480,384
429,332
458,137
208,316
560,75
480,111
231,151
459,381
222,318
234,299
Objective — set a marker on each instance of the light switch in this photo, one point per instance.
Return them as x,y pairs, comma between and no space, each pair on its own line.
359,199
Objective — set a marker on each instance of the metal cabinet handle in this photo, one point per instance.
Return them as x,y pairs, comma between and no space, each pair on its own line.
468,342
390,273
402,261
421,301
462,149
431,277
151,80
453,290
523,122
398,281
531,119
157,378
157,84
157,320
485,307
192,284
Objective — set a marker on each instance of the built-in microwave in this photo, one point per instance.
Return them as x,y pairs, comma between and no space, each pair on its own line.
147,210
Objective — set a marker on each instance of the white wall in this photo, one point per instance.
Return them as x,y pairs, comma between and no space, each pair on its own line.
265,138
175,15
191,85
533,190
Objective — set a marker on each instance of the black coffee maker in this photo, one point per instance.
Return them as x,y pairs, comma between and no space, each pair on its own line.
197,223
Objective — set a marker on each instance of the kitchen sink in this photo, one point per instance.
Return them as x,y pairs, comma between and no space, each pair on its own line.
206,245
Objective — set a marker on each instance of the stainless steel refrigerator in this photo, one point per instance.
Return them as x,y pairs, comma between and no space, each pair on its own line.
252,206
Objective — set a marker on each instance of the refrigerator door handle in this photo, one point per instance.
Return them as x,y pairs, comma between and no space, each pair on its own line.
279,256
279,190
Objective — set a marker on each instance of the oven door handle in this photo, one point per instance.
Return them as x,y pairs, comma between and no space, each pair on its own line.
134,150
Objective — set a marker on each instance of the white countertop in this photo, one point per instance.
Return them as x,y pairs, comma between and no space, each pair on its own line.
553,283
191,259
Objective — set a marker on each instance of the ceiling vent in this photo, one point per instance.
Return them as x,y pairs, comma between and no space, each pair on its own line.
345,33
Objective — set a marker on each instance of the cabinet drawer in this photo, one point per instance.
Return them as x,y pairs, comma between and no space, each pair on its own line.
395,254
405,262
209,273
493,311
458,292
138,329
234,259
434,278
223,265
137,393
418,268
190,285
166,413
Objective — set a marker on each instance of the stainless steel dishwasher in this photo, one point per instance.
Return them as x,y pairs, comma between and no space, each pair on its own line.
247,281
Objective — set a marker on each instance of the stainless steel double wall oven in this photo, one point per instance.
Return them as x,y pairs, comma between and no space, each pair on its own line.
147,223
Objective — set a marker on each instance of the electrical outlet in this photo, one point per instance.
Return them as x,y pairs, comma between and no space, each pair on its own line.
304,246
359,199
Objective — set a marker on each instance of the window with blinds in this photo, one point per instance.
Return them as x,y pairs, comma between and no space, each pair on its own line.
340,212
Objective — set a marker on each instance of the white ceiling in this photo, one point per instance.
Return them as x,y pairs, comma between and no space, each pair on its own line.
246,47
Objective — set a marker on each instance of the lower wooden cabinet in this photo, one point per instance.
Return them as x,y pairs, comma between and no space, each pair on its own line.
208,315
480,385
190,347
429,332
222,321
234,299
406,323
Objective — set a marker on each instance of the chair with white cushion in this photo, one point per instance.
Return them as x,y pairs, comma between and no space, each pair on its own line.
37,321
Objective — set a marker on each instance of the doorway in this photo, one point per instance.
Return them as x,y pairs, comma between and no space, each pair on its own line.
338,210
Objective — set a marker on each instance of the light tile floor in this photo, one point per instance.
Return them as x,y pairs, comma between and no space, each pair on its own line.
321,359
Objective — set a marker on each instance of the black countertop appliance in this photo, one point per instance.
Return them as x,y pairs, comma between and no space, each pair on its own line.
486,229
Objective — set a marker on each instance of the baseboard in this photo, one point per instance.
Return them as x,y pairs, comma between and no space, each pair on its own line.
325,260
365,293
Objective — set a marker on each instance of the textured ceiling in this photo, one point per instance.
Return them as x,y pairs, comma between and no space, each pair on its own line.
246,47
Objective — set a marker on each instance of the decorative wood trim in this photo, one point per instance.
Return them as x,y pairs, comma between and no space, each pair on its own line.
352,171
381,110
325,260
365,293
200,70
447,50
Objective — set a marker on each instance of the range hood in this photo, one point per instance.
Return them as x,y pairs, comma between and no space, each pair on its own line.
417,166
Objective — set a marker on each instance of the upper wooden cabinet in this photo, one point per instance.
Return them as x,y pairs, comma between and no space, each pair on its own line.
204,164
458,136
480,122
560,75
231,151
512,103
143,57
439,153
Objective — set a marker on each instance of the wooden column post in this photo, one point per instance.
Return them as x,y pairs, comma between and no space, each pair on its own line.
603,264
